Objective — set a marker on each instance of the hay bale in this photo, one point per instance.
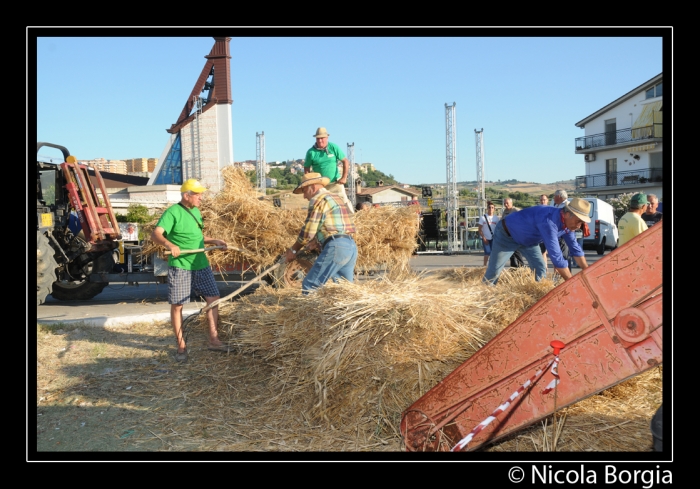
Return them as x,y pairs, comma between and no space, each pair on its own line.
386,237
352,352
348,359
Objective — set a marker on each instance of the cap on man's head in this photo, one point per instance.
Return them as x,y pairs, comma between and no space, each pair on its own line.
581,208
192,185
311,178
638,200
321,133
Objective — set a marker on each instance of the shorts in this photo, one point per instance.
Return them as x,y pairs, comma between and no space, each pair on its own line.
487,247
182,282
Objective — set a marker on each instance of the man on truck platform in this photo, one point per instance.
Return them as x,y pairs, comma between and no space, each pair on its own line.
323,158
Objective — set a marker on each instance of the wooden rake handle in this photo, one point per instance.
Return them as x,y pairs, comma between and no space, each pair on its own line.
199,250
241,289
229,247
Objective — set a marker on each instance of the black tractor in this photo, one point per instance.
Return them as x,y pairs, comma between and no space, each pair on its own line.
77,232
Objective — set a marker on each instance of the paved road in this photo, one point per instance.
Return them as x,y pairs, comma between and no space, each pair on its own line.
121,304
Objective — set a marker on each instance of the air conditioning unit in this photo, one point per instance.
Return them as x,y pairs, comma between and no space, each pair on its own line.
589,157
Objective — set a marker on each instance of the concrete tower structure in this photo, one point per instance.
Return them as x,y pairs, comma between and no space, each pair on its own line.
201,140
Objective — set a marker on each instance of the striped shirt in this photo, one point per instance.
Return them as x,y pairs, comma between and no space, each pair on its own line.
328,215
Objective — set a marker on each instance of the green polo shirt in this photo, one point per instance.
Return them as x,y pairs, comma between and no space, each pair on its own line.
325,161
181,229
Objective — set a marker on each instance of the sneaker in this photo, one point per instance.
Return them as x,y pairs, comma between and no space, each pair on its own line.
181,357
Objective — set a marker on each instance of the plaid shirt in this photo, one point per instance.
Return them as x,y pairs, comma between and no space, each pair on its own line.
327,216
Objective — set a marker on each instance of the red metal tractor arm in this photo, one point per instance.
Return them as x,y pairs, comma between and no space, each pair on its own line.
98,222
608,316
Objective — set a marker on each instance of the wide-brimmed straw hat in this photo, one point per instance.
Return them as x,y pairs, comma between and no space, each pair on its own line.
321,133
311,179
581,208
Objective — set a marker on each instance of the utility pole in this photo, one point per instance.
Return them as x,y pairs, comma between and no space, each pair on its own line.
260,160
451,190
351,177
480,180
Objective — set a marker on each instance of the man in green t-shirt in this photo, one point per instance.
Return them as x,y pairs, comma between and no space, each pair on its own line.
181,228
323,158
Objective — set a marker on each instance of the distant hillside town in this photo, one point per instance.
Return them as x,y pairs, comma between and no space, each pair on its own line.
297,166
137,167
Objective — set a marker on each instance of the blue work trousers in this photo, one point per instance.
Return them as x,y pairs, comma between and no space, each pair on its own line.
336,261
502,249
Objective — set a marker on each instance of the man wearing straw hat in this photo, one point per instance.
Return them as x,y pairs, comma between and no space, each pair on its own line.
526,229
329,221
323,158
181,228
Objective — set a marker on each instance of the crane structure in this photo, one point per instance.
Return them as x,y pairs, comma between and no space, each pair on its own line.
260,160
194,169
451,190
480,181
351,177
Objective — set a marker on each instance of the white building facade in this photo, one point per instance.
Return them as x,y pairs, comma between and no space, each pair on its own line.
623,146
201,140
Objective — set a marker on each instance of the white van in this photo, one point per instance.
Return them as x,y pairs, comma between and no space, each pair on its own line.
603,229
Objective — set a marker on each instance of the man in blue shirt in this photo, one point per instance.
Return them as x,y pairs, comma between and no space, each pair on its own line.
525,230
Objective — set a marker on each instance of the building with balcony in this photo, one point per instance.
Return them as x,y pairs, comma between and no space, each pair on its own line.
623,145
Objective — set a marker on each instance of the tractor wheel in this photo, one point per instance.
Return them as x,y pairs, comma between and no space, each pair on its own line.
82,289
45,268
601,247
292,274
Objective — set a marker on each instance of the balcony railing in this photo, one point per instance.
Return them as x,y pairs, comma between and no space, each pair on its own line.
620,178
622,136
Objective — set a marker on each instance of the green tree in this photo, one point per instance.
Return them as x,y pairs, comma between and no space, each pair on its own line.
620,204
277,174
372,177
135,213
252,176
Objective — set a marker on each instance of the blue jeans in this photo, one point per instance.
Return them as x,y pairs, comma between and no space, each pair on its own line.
502,249
337,260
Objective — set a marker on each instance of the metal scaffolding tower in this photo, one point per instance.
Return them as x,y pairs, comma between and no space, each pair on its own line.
260,160
480,180
451,191
196,171
351,177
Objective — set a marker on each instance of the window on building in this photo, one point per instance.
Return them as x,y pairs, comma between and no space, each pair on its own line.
656,91
171,171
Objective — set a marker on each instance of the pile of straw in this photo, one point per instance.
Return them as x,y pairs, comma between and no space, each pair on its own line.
386,236
351,353
350,358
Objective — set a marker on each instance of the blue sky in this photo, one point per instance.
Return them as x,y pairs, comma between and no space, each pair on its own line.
114,97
